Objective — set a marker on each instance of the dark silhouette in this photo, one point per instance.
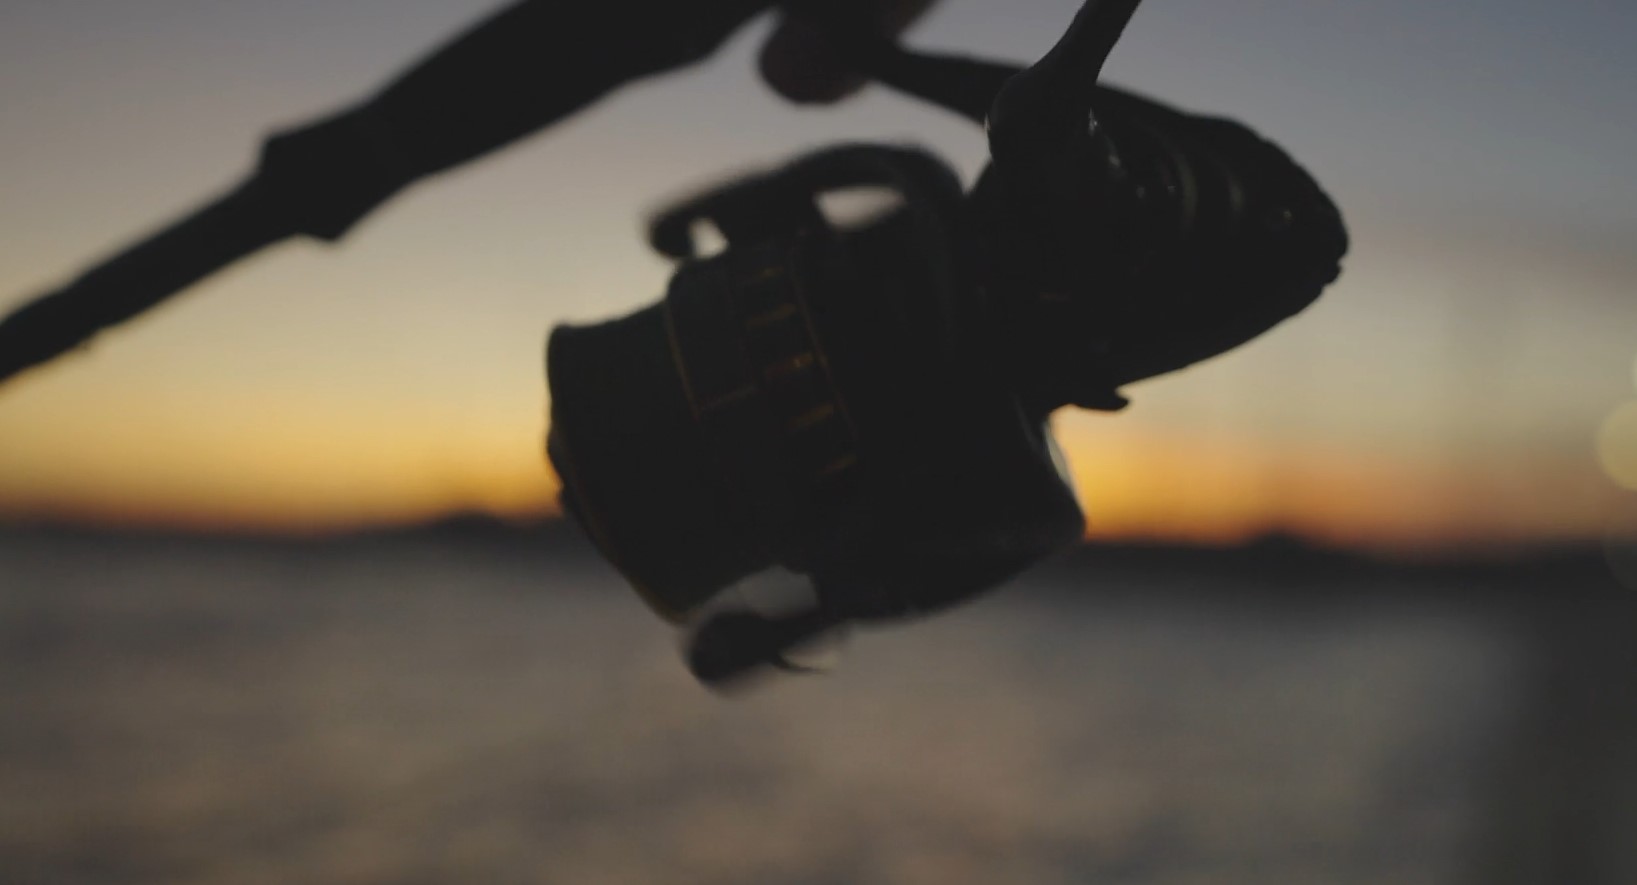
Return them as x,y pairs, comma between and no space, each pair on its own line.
868,405
524,68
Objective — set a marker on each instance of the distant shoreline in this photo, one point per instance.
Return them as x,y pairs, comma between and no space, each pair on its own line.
1276,559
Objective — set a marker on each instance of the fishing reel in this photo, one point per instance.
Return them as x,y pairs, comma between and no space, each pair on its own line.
862,404
815,398
867,405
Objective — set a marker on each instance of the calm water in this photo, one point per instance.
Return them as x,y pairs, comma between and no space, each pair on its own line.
187,712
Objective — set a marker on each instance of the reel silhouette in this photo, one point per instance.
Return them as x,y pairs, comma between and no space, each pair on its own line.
868,406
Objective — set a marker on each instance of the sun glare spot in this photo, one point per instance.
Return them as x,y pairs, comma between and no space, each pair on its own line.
1617,445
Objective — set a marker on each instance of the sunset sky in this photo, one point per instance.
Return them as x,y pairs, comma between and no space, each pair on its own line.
1473,376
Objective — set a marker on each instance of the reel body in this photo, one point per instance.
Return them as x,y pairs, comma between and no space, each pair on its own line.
814,398
869,406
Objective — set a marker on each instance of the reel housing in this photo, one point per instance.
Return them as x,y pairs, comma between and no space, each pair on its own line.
868,406
812,398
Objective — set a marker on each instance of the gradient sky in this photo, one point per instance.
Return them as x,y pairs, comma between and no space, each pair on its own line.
1471,377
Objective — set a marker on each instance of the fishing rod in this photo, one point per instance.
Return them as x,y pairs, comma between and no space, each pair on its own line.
866,405
516,72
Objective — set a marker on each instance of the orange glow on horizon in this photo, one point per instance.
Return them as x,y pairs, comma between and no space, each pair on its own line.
300,465
1134,485
1225,491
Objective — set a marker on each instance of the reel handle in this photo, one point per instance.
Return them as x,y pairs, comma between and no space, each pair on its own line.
732,645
